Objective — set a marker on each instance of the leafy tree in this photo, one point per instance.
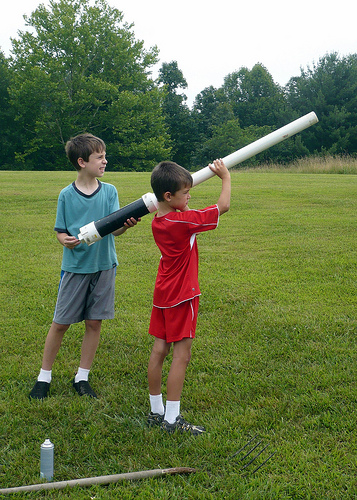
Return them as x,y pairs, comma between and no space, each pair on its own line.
77,71
248,106
255,98
8,136
137,138
171,76
329,88
177,114
211,108
227,138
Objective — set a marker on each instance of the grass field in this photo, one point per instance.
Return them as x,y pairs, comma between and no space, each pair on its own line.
274,356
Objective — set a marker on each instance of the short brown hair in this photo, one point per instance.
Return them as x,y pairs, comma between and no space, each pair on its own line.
168,176
82,146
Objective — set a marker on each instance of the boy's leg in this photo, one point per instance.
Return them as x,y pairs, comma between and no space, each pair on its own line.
180,360
98,303
89,348
158,354
53,343
90,342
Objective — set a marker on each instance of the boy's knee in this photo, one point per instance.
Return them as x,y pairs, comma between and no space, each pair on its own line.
183,355
163,351
93,325
161,348
59,328
188,357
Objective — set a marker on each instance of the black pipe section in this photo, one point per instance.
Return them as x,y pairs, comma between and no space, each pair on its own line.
116,219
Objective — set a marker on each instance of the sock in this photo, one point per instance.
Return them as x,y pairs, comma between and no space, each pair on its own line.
172,411
45,376
157,405
82,374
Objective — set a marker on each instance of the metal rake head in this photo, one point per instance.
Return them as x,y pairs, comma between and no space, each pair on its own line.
246,460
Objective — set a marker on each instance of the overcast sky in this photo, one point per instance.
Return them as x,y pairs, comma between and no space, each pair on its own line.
211,40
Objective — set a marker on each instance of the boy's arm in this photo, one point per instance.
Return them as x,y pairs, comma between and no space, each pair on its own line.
219,168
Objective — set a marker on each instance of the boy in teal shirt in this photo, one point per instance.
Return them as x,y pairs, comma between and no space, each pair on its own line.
86,291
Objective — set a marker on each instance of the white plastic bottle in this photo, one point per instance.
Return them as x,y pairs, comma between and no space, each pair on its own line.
47,458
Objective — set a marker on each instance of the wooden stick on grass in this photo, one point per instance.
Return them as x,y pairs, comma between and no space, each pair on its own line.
90,481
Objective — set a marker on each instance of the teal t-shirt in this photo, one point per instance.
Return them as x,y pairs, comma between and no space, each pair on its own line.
76,209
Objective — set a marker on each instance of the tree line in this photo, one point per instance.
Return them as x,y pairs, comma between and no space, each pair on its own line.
79,68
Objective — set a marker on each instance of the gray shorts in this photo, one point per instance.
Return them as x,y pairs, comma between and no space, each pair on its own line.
85,296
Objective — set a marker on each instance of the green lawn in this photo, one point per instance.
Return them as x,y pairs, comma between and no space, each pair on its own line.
274,356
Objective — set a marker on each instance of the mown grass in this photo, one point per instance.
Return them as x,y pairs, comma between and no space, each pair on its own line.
275,353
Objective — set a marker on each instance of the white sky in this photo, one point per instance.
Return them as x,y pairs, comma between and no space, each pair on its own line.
209,41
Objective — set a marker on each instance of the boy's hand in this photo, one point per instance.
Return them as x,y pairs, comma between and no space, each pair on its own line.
222,172
131,222
70,242
218,167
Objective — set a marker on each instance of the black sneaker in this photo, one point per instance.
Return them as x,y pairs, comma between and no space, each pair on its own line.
84,389
154,419
182,426
40,390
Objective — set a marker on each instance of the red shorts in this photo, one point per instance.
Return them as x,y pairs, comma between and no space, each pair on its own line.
175,323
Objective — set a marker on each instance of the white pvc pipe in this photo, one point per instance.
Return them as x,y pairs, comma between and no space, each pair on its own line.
258,146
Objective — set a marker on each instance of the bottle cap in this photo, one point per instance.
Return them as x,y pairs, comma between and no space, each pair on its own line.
47,444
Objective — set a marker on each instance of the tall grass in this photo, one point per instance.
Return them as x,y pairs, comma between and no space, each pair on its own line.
326,164
275,353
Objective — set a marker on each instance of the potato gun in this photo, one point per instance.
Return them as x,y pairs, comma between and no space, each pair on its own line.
96,230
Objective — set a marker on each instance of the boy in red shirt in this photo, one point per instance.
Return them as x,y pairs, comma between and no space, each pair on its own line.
176,294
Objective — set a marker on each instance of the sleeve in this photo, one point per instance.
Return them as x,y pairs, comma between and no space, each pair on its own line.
199,221
60,224
114,200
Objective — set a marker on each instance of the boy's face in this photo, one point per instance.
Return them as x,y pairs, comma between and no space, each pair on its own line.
180,199
95,166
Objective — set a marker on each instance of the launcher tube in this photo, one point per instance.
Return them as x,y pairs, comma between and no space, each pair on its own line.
258,146
95,231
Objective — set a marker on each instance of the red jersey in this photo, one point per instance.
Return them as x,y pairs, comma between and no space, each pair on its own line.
175,235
